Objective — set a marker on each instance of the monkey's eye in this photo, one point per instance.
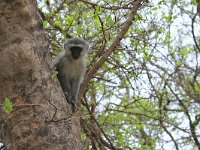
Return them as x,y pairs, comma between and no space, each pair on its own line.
75,48
75,51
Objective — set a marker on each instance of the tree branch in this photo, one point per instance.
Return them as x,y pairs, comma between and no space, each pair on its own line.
109,51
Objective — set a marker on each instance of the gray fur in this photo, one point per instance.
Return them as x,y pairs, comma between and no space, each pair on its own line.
71,71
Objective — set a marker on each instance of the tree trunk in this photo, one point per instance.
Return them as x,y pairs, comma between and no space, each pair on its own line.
42,119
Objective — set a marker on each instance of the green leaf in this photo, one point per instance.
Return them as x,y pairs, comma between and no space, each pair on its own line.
179,63
185,51
58,23
69,19
79,30
168,35
154,8
59,16
64,5
120,139
53,76
108,20
146,57
197,88
7,105
96,19
45,23
194,2
97,9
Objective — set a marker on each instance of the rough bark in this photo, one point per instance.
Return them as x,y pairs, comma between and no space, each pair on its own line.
42,119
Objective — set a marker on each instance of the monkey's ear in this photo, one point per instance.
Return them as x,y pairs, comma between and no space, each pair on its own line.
86,46
65,45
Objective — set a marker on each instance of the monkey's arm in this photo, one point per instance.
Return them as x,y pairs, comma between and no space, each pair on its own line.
58,58
65,85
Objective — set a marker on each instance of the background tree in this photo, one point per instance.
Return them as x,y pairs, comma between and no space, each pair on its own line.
146,94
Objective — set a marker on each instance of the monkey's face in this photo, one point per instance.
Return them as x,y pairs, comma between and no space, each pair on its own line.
76,48
76,52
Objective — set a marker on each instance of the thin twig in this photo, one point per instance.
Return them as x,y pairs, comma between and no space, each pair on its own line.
113,46
194,38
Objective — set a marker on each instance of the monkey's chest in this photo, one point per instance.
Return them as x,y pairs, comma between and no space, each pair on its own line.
72,71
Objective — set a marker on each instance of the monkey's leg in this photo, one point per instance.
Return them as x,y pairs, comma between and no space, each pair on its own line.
65,87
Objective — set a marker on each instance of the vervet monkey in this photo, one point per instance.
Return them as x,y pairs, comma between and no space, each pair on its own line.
71,67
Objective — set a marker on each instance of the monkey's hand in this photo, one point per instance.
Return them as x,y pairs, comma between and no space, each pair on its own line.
73,102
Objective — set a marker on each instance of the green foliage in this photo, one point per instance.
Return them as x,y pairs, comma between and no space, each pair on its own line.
45,23
148,90
194,2
54,75
7,105
64,5
185,51
58,23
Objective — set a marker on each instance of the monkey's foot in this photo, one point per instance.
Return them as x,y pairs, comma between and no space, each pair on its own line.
74,107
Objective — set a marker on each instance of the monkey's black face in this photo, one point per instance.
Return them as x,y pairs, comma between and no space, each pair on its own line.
75,51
